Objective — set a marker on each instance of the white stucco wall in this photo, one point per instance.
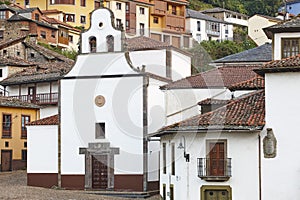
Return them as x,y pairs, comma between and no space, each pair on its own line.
181,66
42,149
142,18
242,148
277,43
48,111
280,175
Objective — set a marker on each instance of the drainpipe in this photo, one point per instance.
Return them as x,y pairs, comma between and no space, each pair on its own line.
259,166
145,130
59,136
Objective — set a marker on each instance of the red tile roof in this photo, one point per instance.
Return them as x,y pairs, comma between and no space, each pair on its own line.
52,11
210,101
289,64
52,120
142,43
245,113
256,83
218,77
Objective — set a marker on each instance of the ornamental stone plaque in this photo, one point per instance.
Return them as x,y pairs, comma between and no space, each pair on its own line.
270,144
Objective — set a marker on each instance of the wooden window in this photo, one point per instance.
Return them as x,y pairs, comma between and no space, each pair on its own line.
1,35
2,15
173,159
142,10
53,34
71,38
155,20
69,18
290,47
173,10
100,130
24,120
82,19
6,125
142,29
24,155
216,161
43,34
82,2
118,6
198,26
97,4
36,17
164,158
119,23
171,192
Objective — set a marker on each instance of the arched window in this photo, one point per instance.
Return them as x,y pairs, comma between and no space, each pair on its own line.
93,44
110,43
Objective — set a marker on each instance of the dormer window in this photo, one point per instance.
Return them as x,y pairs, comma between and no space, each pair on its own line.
37,17
290,47
93,44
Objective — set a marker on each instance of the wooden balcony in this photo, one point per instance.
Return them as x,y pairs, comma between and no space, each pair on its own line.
40,99
214,169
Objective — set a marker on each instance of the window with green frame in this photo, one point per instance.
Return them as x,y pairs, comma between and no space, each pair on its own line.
290,47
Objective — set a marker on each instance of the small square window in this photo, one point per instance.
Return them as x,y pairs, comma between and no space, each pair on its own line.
100,130
4,52
24,155
37,17
32,55
6,144
25,144
43,34
70,38
155,20
142,10
69,18
18,53
53,34
82,19
1,72
119,23
119,6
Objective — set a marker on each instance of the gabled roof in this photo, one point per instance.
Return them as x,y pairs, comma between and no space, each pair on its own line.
256,83
220,10
144,43
261,53
245,113
51,71
16,103
11,41
29,10
292,25
198,15
6,7
291,64
15,61
269,17
51,55
52,120
17,17
215,78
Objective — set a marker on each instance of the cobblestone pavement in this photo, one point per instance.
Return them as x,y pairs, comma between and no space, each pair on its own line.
13,186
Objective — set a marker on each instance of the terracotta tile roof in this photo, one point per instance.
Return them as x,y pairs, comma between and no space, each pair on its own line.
52,11
15,61
11,41
18,17
147,2
290,64
143,43
245,113
11,102
52,120
51,71
49,54
210,101
256,83
218,77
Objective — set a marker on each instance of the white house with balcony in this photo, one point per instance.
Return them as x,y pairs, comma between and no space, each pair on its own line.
204,27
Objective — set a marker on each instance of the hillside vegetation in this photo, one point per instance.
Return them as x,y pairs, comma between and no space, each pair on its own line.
248,7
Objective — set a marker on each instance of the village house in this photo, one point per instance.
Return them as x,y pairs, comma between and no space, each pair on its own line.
205,27
109,149
13,143
256,23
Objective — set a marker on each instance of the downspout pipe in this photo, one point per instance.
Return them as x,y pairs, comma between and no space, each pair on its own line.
259,167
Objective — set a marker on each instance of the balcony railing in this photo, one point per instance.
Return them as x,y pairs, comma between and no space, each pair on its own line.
40,99
213,33
214,169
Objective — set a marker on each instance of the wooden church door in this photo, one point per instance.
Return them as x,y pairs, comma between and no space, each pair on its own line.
99,172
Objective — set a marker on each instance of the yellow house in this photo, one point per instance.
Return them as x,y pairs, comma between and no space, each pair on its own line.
13,143
76,12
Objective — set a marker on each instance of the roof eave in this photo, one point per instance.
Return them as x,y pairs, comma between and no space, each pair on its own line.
263,71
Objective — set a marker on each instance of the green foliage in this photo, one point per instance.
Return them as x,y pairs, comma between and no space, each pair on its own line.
200,59
249,7
5,2
199,5
68,53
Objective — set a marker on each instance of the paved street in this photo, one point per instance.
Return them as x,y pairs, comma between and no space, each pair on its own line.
13,186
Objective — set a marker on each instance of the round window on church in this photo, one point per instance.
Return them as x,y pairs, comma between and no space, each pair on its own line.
101,25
